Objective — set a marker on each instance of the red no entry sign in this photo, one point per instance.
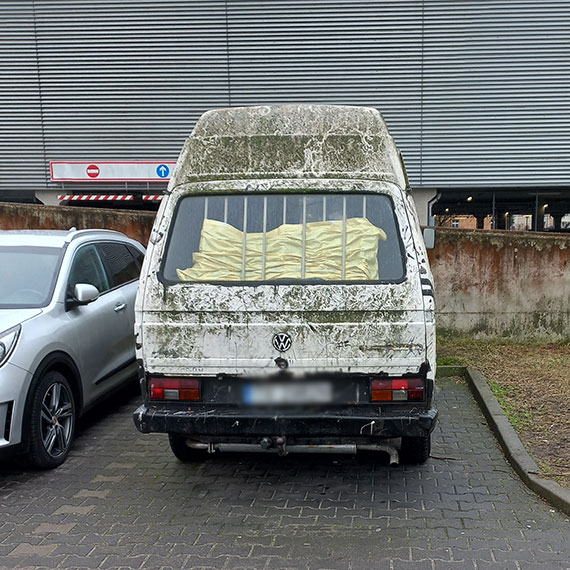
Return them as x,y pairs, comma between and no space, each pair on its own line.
93,171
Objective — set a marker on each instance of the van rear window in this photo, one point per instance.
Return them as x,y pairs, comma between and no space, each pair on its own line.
289,237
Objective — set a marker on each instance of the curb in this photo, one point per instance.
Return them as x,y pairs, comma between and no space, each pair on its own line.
513,448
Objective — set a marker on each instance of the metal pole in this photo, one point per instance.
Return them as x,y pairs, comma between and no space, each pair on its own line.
536,213
493,224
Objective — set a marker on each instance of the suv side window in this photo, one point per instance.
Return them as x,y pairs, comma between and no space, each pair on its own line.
137,254
122,267
87,268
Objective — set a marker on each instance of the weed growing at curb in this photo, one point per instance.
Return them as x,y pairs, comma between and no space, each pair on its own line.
520,418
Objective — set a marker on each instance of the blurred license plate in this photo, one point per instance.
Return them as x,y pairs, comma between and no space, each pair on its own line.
288,393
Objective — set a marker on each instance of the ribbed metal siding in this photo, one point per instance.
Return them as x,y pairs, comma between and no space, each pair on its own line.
22,157
496,93
119,80
475,93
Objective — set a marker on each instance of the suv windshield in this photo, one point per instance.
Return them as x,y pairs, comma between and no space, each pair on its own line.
291,237
27,275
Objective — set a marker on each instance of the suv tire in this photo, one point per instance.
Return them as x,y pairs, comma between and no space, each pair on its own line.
52,421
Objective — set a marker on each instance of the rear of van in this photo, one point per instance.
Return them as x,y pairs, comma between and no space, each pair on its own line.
286,302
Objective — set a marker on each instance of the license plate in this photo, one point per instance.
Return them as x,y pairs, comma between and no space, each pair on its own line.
288,393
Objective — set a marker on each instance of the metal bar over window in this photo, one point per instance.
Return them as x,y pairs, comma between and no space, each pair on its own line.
264,243
226,210
244,245
284,210
364,206
304,245
343,270
206,208
324,208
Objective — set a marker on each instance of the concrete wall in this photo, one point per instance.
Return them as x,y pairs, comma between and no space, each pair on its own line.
487,283
502,283
136,225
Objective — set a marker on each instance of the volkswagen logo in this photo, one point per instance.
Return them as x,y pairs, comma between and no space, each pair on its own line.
282,342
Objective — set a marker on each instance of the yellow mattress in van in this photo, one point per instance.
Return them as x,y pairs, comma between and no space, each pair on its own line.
220,252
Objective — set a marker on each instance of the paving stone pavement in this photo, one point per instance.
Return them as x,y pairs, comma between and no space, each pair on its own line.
123,501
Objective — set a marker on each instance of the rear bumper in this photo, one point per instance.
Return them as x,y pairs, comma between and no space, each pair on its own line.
208,423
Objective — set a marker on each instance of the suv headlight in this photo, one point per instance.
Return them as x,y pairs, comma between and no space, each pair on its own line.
8,342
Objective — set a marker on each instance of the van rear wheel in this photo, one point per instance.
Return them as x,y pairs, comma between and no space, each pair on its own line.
415,450
182,451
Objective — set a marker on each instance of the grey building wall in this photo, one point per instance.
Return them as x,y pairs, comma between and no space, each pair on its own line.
475,93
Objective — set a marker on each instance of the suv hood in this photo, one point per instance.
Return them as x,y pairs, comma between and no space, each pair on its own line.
11,317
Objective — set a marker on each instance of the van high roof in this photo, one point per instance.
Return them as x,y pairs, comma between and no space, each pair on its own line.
290,141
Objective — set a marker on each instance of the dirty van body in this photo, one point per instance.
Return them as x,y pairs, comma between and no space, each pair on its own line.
286,302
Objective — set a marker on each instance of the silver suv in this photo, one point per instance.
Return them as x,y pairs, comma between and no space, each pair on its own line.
66,333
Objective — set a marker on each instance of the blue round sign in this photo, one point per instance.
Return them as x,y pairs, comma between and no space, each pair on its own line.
162,170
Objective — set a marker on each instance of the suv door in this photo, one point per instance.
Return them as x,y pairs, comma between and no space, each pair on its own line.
102,331
123,267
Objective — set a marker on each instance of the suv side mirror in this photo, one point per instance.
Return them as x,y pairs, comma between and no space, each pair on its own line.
83,294
429,237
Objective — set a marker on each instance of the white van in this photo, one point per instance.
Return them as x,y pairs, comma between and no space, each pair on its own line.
286,302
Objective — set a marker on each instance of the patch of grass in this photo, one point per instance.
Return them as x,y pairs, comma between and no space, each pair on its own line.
449,361
519,417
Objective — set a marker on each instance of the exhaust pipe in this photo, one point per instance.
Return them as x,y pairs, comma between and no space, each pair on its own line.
389,449
350,449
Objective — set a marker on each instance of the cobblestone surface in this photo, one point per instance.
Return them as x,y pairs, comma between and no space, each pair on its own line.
123,501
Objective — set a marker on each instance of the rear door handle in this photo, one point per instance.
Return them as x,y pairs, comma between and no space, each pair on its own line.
120,307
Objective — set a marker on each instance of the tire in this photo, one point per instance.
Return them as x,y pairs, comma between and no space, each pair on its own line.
182,451
52,421
415,450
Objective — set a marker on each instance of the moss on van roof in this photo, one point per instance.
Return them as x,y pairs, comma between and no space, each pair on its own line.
290,141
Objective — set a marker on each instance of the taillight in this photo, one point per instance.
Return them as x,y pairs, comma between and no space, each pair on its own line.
397,390
173,388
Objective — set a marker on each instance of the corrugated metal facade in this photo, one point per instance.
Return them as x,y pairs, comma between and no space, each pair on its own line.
475,93
496,83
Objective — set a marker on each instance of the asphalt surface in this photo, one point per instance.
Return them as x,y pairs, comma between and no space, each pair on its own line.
123,501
